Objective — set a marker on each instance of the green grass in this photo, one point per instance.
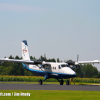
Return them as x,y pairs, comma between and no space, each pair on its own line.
29,82
52,95
76,83
36,79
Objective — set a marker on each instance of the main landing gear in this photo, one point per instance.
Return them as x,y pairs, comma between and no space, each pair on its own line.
40,82
62,82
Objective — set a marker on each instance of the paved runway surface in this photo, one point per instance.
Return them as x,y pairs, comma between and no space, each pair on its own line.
48,87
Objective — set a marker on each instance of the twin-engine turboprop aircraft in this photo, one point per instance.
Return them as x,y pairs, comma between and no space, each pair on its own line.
55,70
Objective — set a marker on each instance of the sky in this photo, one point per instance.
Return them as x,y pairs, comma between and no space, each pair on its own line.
58,28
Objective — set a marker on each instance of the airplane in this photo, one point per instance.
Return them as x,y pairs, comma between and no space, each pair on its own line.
57,70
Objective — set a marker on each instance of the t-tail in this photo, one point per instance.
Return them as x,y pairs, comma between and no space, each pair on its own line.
25,52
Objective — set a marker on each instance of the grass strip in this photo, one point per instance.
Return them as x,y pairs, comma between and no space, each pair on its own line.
47,83
36,78
52,94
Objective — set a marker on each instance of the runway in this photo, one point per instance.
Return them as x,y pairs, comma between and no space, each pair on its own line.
4,86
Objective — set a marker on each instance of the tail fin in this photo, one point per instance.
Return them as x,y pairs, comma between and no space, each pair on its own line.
25,52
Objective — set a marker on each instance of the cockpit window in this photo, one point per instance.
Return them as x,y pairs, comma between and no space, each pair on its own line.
64,65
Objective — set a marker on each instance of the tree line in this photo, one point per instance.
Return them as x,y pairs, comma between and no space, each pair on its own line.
10,68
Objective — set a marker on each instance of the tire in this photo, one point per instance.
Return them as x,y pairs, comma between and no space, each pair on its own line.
67,82
40,82
61,82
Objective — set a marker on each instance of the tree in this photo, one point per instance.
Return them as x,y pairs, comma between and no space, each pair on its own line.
31,57
9,68
58,60
11,57
90,71
99,74
17,57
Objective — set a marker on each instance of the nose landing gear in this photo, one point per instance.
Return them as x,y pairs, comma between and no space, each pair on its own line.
67,82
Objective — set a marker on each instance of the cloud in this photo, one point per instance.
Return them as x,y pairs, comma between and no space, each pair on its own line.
13,7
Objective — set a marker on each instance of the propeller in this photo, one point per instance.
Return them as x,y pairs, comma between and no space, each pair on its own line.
70,62
40,60
73,64
82,73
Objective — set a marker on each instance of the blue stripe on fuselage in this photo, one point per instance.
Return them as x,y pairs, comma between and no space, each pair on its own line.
50,74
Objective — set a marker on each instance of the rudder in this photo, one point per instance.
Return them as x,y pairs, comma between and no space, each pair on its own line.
25,52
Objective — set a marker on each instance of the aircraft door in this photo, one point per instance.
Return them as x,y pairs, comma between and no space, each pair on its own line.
60,69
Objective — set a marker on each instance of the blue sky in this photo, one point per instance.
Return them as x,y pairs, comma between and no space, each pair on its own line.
59,28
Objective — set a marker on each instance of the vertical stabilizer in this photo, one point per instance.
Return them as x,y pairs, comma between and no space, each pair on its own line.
25,52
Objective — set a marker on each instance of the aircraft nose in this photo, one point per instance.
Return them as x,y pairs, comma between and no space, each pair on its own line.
74,74
70,72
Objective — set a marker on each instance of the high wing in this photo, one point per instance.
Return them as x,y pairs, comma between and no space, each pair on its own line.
87,62
24,61
19,61
73,64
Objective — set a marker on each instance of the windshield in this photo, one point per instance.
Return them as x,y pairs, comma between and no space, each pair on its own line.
64,65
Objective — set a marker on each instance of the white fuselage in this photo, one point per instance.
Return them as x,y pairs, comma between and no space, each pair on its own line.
52,69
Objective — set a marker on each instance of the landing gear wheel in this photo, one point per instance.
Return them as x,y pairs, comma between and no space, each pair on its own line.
61,82
67,82
40,82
